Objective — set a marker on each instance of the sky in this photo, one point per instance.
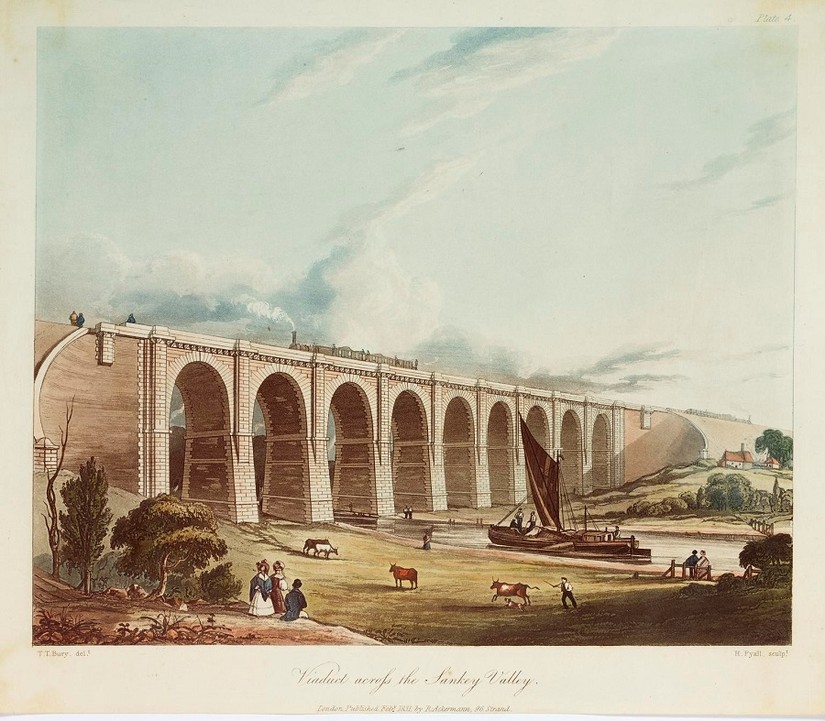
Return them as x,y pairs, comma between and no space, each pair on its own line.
597,210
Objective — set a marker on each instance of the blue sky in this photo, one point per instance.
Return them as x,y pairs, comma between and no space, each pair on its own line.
600,210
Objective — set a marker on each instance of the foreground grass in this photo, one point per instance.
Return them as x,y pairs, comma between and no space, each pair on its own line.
452,604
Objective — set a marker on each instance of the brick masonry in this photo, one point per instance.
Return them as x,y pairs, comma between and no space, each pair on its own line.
159,355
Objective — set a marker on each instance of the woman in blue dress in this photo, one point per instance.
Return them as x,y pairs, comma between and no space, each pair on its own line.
260,589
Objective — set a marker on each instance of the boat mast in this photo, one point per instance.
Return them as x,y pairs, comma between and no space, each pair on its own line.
510,512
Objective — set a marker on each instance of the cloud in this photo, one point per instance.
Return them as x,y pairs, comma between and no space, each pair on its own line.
465,79
642,381
620,360
88,273
452,350
761,136
331,63
359,294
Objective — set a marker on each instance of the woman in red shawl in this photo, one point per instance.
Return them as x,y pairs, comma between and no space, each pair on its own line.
279,586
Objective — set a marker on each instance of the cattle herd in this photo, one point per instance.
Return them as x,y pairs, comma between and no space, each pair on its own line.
507,591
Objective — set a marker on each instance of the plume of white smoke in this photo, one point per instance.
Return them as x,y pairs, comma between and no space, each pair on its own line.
264,310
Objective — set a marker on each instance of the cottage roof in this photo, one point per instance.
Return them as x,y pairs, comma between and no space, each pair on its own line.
738,456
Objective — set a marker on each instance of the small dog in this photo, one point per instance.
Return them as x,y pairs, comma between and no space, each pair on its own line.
509,603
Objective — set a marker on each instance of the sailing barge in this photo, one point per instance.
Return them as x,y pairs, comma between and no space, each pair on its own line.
551,537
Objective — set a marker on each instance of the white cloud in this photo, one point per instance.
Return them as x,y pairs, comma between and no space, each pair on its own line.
333,63
376,302
465,80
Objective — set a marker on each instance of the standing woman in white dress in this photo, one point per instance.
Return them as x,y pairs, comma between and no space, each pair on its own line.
260,589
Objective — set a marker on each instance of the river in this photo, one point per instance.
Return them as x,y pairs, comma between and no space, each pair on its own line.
723,554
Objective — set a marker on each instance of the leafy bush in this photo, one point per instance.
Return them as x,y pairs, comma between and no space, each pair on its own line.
688,498
770,551
776,577
186,587
640,508
728,492
219,585
728,582
664,507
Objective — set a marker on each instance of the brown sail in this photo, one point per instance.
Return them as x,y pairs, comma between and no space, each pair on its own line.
543,472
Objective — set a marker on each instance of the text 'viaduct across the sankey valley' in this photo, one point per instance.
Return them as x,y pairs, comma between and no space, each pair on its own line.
401,436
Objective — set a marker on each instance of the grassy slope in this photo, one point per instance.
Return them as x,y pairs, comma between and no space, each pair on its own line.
452,604
674,482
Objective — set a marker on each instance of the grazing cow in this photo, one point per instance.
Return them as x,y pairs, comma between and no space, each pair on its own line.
509,603
511,589
404,574
319,545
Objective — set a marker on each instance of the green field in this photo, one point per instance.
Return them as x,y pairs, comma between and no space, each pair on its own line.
453,602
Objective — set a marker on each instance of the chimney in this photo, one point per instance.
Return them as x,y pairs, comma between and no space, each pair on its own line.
742,448
294,337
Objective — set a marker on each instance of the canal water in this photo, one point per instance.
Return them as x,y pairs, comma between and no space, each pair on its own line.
723,554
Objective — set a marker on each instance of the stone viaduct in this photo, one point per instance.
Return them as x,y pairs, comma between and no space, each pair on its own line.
398,436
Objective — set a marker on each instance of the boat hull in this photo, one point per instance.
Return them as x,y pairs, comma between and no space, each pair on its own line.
569,543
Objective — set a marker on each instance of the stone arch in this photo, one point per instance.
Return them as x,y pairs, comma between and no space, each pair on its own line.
411,479
459,452
221,369
572,450
538,421
353,472
500,450
281,456
600,451
368,389
423,395
257,377
208,468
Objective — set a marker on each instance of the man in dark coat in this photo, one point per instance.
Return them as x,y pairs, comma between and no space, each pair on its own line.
690,563
295,602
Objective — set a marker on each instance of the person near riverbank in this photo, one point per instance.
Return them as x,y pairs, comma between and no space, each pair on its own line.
566,592
702,565
260,588
279,587
427,539
519,519
531,523
690,563
295,602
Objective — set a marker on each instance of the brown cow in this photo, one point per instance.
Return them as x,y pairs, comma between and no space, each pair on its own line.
404,574
511,589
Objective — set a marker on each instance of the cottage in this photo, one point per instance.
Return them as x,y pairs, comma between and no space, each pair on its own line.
740,459
771,462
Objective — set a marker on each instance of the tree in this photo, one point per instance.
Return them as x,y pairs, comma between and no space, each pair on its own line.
766,552
164,534
777,444
52,525
729,492
85,522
